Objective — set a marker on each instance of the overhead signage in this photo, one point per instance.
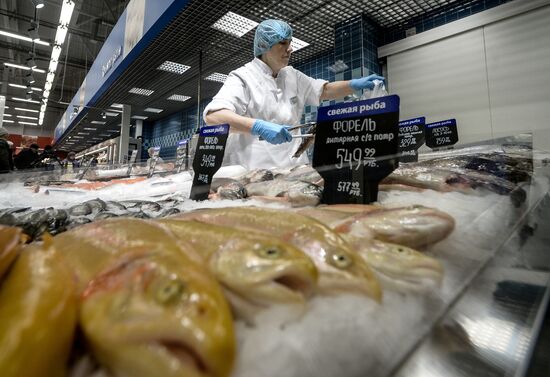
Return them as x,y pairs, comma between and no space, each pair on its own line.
208,159
356,147
109,64
411,137
441,134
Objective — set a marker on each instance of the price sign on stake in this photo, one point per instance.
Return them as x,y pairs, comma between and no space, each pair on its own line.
181,154
411,137
441,134
154,159
356,147
208,159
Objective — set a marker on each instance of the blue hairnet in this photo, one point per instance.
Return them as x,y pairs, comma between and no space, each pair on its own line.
269,33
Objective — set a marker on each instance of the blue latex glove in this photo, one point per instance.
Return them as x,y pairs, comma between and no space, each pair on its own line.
365,82
271,132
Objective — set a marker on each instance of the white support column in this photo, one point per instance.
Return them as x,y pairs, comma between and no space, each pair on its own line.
139,128
124,134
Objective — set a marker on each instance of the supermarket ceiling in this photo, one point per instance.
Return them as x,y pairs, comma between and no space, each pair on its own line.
190,31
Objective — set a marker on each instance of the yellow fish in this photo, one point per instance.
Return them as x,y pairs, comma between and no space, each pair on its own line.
11,238
38,310
338,265
258,268
158,314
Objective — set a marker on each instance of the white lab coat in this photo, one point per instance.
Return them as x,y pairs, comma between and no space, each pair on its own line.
252,91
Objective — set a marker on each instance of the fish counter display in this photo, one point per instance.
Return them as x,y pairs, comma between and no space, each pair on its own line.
134,279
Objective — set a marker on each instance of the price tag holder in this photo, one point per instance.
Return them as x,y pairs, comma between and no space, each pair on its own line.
208,159
181,154
441,134
356,147
411,137
154,158
132,161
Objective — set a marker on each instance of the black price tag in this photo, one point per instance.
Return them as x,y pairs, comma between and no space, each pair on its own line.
441,134
181,154
208,159
154,159
411,137
355,148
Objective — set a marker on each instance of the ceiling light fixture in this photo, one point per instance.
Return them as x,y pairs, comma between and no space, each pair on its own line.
173,67
218,77
24,67
234,24
62,29
104,116
23,100
30,78
22,109
33,31
153,110
22,37
141,91
26,117
29,123
178,97
7,121
297,44
7,115
97,122
117,105
141,117
24,87
38,4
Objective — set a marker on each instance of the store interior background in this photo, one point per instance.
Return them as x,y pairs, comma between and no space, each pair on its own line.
484,63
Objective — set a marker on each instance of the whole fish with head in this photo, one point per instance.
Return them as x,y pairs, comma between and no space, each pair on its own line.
38,311
156,313
256,268
340,268
305,173
256,175
297,193
307,141
465,181
399,267
11,239
413,226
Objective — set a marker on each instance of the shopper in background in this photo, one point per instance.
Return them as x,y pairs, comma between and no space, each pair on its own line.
47,159
94,161
26,158
266,96
70,161
6,160
150,152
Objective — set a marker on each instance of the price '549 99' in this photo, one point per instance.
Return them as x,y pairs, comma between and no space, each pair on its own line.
355,158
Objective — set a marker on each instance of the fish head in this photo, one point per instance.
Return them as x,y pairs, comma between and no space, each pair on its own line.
264,270
400,266
158,314
340,267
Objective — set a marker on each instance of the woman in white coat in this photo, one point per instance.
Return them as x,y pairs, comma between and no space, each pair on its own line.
266,96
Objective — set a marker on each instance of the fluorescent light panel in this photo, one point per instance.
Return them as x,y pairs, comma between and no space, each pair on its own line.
117,105
173,67
24,87
26,117
97,122
111,114
29,123
178,97
141,91
89,129
234,24
139,117
24,100
7,121
29,110
7,115
153,110
22,37
298,44
24,67
66,13
218,77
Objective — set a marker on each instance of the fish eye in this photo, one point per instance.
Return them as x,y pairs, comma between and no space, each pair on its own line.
400,249
270,252
341,260
169,291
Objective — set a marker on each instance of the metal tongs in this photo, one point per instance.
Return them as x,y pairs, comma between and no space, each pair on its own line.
305,125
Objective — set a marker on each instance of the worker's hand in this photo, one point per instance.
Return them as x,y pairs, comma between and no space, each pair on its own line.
271,132
365,82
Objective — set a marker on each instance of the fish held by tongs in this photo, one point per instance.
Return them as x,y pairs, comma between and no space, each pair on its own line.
307,138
